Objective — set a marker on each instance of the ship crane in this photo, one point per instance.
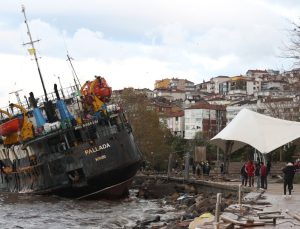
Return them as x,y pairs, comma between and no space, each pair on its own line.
11,138
95,94
27,127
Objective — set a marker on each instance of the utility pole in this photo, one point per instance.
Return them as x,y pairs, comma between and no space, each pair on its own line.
17,95
31,43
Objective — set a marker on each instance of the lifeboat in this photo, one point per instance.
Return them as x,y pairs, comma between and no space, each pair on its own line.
102,90
11,126
98,87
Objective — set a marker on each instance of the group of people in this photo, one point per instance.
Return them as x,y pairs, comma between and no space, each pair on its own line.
258,170
201,167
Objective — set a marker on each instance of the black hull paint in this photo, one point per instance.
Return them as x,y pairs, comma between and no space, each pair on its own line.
105,166
112,184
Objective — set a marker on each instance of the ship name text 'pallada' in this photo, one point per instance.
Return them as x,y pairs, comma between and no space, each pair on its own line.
97,149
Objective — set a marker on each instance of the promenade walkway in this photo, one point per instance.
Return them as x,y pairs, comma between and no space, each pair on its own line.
287,206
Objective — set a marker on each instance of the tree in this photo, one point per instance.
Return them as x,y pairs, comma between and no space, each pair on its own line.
152,137
178,145
292,49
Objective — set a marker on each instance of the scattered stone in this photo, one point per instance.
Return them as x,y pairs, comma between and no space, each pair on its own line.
147,221
185,198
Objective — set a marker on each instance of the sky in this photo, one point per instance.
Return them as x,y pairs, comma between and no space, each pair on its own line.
132,43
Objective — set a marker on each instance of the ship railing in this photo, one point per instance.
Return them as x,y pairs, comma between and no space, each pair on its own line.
64,93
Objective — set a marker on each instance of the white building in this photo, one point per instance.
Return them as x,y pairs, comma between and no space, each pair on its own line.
217,81
170,94
175,122
206,118
253,86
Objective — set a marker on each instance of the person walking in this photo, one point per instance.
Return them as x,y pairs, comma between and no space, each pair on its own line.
208,168
289,172
268,167
257,175
198,169
203,166
222,169
194,168
244,175
250,172
263,175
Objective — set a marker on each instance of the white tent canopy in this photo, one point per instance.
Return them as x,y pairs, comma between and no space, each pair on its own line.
262,132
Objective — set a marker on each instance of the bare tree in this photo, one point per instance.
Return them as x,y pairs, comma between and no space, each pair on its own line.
292,48
283,108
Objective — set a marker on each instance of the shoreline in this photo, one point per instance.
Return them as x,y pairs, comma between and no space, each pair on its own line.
193,203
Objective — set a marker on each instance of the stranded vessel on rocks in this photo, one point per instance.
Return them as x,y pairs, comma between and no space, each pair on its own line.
75,145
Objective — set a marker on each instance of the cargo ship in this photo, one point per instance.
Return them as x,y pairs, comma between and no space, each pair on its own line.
75,145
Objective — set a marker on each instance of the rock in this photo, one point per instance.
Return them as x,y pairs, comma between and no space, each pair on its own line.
156,191
184,224
199,198
155,211
149,220
190,189
192,208
229,195
187,216
188,201
174,196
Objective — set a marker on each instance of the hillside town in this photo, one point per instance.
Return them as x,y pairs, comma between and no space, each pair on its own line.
187,107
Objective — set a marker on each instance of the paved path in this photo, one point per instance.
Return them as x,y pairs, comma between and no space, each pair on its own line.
274,195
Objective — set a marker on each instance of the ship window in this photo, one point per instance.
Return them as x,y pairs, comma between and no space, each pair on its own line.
57,144
78,136
117,122
92,132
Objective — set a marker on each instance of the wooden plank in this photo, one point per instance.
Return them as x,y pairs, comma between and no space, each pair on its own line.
242,223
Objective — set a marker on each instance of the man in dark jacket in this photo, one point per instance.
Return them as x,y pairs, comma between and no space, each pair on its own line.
244,175
289,172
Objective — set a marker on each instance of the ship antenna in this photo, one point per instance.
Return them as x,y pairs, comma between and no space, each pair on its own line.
34,52
17,95
73,70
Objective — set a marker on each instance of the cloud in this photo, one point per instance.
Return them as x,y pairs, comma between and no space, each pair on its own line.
135,42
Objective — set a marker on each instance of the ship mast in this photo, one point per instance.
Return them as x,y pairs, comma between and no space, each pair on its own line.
34,52
74,72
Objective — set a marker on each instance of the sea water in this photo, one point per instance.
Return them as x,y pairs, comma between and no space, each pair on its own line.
34,211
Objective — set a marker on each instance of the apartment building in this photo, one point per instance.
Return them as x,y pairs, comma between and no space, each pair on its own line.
204,117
